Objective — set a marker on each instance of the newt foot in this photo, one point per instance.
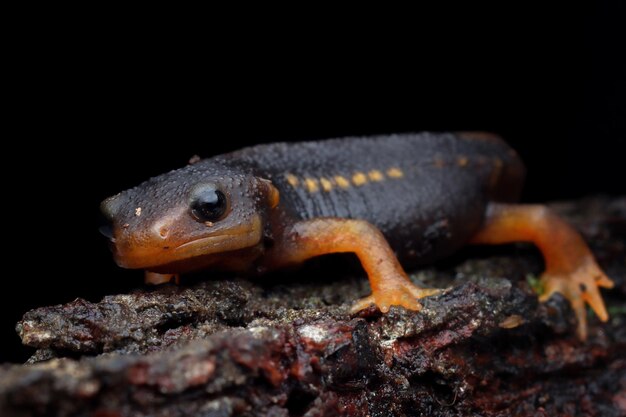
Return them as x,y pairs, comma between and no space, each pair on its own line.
579,286
405,295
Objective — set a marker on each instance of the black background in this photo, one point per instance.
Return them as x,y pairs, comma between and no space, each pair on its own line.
91,105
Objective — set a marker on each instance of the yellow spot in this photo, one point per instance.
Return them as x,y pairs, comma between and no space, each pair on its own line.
311,185
138,211
462,161
326,184
342,181
395,173
359,179
375,175
292,180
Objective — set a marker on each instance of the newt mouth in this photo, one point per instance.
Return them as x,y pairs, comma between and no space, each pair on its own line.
107,231
156,254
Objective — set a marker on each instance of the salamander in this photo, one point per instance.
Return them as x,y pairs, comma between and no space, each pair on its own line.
395,201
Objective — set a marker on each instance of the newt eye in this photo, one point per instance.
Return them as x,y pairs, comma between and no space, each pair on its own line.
208,205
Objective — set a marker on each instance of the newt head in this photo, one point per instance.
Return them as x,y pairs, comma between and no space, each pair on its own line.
186,219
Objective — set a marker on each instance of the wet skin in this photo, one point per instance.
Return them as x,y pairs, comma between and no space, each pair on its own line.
394,201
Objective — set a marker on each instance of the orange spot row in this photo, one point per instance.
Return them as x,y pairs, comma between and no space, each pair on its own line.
358,179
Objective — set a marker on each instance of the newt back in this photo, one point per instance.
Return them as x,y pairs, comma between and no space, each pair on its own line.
426,192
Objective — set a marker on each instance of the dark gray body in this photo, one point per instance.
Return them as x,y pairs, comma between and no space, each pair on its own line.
427,213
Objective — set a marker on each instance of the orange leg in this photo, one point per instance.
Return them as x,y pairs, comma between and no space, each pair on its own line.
570,266
390,284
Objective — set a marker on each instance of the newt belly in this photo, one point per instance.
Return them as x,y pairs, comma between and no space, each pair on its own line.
392,200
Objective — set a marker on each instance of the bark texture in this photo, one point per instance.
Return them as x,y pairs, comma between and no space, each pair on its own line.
287,346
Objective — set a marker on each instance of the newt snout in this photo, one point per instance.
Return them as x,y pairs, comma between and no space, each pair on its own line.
139,239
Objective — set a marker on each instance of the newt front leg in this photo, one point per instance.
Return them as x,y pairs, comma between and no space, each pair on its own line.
390,284
570,266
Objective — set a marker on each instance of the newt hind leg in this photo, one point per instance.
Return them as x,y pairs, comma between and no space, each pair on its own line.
570,266
390,284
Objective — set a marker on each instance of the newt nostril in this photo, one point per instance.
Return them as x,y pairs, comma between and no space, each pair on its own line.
162,227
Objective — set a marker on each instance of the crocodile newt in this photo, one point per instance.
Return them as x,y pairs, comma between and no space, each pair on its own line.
395,201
